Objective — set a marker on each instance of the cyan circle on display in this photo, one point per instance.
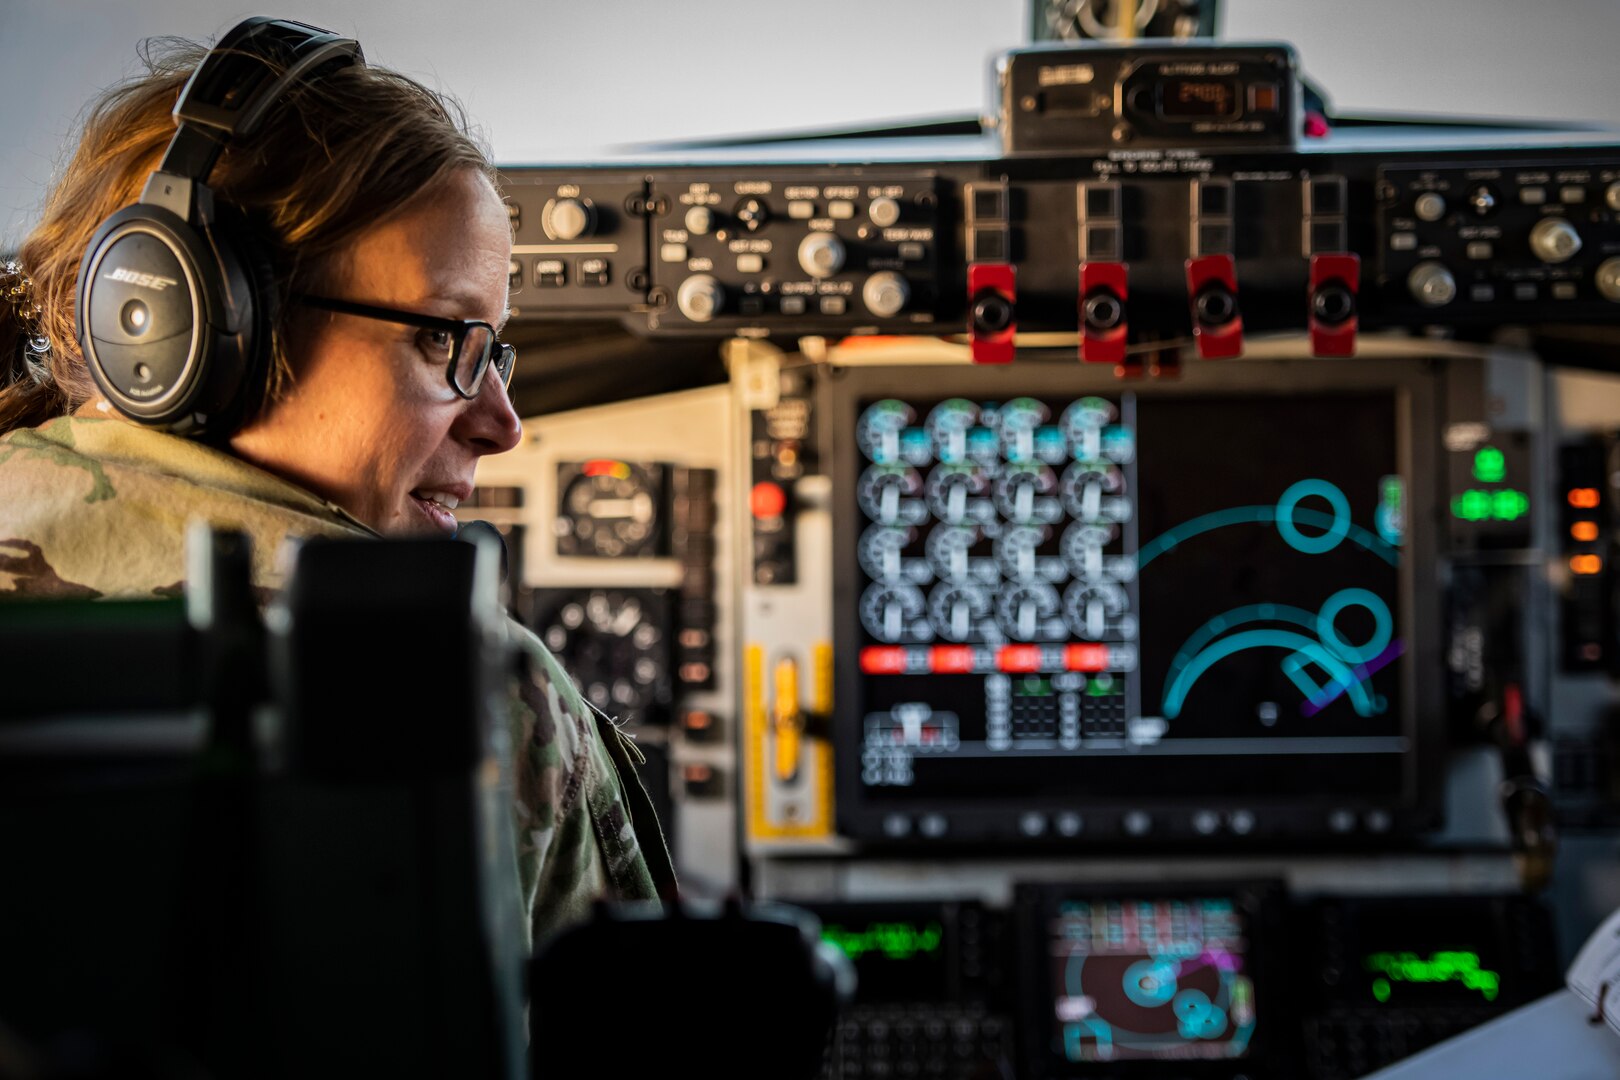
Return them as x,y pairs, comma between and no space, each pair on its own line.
1150,983
1289,531
1383,625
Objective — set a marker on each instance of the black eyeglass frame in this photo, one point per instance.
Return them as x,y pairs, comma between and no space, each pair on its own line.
501,356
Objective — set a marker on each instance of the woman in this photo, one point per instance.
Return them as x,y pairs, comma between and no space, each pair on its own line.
383,243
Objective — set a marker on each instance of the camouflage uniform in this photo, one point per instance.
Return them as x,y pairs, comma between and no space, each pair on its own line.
98,508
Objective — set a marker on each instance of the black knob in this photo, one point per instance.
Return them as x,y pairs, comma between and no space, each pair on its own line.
1333,303
1103,309
1215,306
991,313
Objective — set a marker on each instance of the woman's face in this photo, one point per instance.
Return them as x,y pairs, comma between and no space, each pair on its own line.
370,421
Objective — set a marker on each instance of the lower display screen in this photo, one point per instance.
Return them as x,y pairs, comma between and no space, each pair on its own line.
1145,978
1150,596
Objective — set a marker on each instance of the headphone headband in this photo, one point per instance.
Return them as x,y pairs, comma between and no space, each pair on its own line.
242,78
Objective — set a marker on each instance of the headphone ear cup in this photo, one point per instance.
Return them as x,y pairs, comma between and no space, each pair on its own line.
250,291
168,319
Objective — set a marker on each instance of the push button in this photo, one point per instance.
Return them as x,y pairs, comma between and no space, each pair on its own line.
593,271
550,273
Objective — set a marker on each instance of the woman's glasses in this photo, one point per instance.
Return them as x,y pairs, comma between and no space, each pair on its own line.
472,348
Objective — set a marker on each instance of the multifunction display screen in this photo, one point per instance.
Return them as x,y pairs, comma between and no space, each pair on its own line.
1122,595
1150,978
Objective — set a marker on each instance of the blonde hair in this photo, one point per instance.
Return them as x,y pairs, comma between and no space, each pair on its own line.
339,155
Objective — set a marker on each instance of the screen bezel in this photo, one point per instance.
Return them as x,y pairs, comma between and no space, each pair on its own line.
1415,389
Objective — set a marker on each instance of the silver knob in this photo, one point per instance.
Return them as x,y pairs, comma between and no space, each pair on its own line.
700,298
885,293
1554,240
567,219
821,254
883,211
1611,195
1431,284
1608,279
1430,206
699,220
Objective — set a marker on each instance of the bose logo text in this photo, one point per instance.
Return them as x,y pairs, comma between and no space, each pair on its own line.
146,281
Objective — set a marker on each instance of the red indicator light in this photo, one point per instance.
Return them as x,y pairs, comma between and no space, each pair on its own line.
1020,658
604,467
883,660
1085,657
1586,564
767,500
951,659
1584,531
1583,498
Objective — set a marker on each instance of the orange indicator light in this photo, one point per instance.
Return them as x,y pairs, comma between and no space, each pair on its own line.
1586,564
1583,498
1584,531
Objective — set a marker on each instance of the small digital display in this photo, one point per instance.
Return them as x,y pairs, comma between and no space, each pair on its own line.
1150,979
896,958
1197,99
1437,956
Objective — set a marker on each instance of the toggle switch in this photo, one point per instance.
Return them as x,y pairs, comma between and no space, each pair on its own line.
992,312
1217,322
1335,281
1103,292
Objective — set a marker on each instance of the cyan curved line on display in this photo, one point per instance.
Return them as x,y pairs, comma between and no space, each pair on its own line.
1236,617
1073,979
1175,694
1240,515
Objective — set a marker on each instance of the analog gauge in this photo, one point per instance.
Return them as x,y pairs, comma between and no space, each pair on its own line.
957,494
1082,424
1016,555
878,431
895,612
1029,612
1020,418
948,427
890,495
879,553
960,612
1095,492
948,548
1025,494
1098,611
609,509
615,645
1083,552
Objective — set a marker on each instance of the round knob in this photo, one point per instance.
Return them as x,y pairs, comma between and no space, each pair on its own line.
991,314
568,219
1431,284
1482,200
1333,303
1608,279
700,298
1215,307
1554,240
699,220
885,293
1430,206
1102,310
821,255
751,214
883,211
1611,195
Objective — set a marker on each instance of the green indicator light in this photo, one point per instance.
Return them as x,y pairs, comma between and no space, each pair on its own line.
1440,967
896,941
1489,465
1393,491
1471,505
1509,505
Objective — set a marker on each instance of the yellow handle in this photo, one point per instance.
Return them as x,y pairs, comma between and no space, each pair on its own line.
789,720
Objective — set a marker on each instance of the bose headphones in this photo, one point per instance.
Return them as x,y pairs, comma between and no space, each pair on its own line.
175,301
